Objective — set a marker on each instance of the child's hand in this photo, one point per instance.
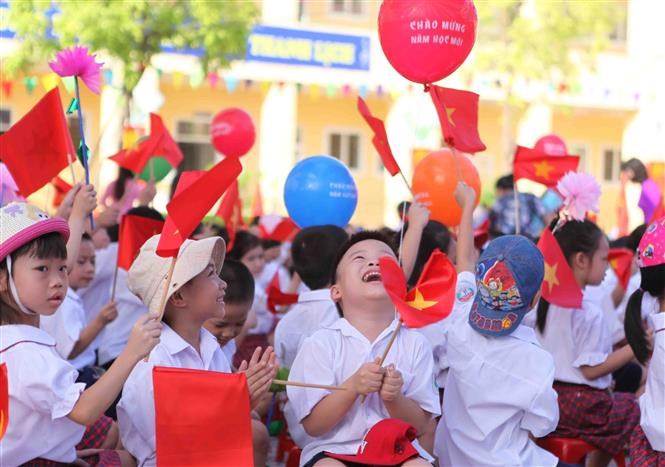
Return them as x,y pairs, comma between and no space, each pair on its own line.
392,384
260,371
418,215
85,201
368,378
108,313
65,208
144,336
465,195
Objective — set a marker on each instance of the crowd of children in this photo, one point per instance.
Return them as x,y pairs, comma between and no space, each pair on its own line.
80,338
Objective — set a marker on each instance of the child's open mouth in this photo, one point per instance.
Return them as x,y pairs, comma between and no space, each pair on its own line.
372,276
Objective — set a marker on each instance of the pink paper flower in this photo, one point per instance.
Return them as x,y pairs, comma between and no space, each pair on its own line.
581,193
77,61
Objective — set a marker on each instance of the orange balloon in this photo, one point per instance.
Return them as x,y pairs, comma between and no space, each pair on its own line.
434,182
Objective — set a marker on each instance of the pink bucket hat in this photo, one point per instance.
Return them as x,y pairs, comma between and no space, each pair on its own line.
651,251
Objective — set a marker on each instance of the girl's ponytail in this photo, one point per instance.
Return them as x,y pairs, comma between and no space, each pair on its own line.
541,314
635,334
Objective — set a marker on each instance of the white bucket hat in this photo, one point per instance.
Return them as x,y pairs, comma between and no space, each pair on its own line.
147,276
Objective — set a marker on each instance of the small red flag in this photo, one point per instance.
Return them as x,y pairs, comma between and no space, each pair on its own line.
380,139
202,418
257,202
621,261
159,143
458,115
481,234
230,211
170,239
559,284
4,400
38,146
278,228
61,190
432,298
134,232
189,207
278,298
541,168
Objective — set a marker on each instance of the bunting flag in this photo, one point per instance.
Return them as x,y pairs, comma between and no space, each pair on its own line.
38,146
134,232
278,298
458,115
4,400
431,300
559,285
202,418
380,139
158,143
541,168
621,261
61,190
230,211
191,205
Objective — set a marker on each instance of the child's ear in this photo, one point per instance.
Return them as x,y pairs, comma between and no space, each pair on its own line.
335,293
177,299
580,260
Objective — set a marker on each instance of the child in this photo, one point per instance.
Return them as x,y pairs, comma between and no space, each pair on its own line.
581,344
226,328
347,353
499,385
313,253
49,410
647,444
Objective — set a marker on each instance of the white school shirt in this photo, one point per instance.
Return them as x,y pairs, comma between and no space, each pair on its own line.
437,333
334,353
264,318
42,392
116,334
652,402
229,351
98,292
577,337
602,295
313,311
136,409
499,389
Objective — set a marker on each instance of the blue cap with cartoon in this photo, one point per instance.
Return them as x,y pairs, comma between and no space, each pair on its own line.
509,274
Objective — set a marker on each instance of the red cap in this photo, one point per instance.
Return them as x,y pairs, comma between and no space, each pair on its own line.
386,443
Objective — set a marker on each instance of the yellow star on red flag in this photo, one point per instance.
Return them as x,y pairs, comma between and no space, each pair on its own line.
419,301
543,169
550,275
449,113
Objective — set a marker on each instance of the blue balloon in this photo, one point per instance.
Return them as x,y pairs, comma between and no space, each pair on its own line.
319,191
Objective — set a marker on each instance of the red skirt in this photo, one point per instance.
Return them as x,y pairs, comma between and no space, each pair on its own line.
597,416
641,452
93,438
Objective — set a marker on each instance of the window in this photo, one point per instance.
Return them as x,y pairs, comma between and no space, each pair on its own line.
5,120
347,7
345,146
193,136
581,150
611,164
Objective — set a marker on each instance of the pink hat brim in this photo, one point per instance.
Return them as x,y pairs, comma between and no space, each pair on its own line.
28,234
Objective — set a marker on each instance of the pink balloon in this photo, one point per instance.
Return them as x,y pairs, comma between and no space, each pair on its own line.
232,132
551,145
426,40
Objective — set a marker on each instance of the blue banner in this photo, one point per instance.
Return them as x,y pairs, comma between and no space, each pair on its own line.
309,48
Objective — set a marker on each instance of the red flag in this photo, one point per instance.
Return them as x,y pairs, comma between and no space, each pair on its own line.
257,202
202,418
38,146
170,238
458,115
432,298
134,231
278,298
380,139
559,284
481,234
61,190
278,228
541,168
189,207
621,261
4,400
159,143
230,211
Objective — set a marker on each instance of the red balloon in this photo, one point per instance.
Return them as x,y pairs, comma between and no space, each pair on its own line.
551,145
426,40
434,182
232,132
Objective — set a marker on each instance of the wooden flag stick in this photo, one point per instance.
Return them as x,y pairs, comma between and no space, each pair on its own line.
516,194
71,169
115,282
308,385
390,342
165,294
457,166
406,182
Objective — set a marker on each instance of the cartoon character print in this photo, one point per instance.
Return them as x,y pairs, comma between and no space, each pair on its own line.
500,289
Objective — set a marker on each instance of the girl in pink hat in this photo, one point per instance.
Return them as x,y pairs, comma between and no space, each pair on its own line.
48,410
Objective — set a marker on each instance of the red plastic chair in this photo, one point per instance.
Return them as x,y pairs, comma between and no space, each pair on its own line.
294,457
573,451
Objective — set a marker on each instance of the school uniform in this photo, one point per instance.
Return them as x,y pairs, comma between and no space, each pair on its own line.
588,410
42,392
230,350
313,311
258,335
334,353
647,444
437,333
98,292
136,410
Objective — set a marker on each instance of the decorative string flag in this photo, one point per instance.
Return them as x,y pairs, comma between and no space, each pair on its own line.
458,115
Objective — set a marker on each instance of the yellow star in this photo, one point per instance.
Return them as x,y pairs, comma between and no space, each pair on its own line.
614,263
419,302
449,113
550,275
543,169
